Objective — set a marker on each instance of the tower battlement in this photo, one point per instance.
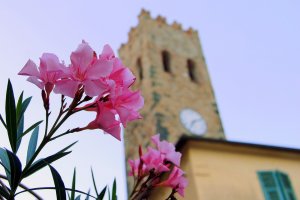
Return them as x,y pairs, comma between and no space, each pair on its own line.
145,17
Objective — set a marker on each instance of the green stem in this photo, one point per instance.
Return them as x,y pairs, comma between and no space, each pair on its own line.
65,133
46,124
24,187
171,196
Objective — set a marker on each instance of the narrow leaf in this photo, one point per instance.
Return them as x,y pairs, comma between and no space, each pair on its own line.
108,193
3,193
94,182
44,162
78,197
24,107
4,166
15,169
102,193
20,132
114,191
5,162
30,129
88,195
3,122
67,147
59,184
73,185
10,111
32,144
19,105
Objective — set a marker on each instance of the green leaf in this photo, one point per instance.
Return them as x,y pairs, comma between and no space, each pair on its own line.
24,107
67,147
114,191
102,193
5,162
78,197
73,185
3,193
20,132
11,122
32,144
3,122
19,105
43,162
30,129
15,170
94,182
108,193
3,166
88,196
59,184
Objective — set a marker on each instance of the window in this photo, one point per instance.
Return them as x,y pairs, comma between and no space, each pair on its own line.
166,61
276,185
191,70
140,68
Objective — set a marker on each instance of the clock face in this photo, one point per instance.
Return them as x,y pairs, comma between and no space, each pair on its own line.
193,121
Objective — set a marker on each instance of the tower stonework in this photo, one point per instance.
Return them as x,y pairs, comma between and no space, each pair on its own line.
170,68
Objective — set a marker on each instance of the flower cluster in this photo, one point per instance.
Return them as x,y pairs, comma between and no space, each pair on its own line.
150,168
102,78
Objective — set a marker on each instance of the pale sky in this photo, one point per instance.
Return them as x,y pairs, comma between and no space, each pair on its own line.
252,50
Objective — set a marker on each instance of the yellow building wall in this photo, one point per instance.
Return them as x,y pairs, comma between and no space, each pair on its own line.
223,172
231,172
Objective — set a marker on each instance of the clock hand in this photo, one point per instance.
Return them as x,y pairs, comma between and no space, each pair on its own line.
194,121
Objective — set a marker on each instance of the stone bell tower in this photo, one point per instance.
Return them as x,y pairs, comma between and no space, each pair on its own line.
172,75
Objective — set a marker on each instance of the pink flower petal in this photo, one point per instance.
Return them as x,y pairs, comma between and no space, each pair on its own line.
30,69
67,87
82,57
36,82
106,121
49,62
94,87
127,115
115,131
176,180
107,52
123,77
101,68
133,100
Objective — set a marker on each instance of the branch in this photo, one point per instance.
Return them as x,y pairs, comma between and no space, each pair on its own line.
25,188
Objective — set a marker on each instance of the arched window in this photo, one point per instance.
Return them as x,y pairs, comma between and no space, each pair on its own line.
191,70
140,68
166,61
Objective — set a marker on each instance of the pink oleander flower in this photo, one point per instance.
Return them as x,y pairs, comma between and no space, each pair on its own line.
157,164
86,70
120,74
47,74
135,165
167,149
176,180
106,121
126,103
122,102
154,160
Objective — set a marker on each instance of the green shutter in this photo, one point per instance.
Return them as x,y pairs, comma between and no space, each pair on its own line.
286,186
270,185
276,185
